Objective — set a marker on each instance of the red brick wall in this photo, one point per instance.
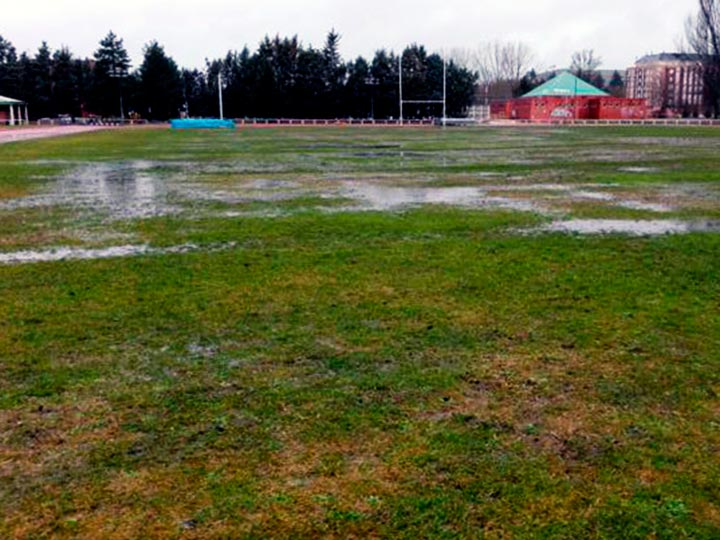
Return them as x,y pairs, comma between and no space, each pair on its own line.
499,109
623,109
544,109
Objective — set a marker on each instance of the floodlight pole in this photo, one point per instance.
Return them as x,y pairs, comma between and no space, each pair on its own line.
400,70
220,96
118,74
444,118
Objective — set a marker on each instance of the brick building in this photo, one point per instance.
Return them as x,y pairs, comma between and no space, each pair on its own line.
672,83
567,97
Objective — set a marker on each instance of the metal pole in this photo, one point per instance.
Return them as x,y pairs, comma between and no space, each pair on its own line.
401,90
444,118
576,99
222,117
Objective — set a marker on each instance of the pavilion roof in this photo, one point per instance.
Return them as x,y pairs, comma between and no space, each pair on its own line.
565,84
10,101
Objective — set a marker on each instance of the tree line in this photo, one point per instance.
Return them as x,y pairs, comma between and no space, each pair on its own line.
702,32
285,78
281,79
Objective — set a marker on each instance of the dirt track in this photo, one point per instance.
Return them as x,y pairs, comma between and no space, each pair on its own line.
8,135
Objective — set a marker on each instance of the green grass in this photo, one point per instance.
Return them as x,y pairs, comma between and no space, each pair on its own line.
428,373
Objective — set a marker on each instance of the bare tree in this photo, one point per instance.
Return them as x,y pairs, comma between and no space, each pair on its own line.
495,61
585,63
500,66
463,57
703,35
503,61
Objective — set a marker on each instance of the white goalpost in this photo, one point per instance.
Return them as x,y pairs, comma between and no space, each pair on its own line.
442,101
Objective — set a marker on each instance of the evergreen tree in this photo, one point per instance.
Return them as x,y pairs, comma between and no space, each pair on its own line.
384,70
196,98
616,86
359,90
310,87
65,99
26,80
41,67
111,70
282,78
528,83
83,75
160,84
598,81
461,89
9,69
334,72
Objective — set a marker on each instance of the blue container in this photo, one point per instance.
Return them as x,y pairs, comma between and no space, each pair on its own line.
202,123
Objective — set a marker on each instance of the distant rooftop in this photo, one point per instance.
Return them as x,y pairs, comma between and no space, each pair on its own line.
669,57
565,84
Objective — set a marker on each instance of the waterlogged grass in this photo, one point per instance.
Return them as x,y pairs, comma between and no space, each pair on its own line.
422,374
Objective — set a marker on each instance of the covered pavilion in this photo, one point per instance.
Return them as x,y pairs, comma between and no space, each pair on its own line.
567,97
11,111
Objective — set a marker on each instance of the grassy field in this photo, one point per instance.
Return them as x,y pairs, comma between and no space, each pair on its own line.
316,344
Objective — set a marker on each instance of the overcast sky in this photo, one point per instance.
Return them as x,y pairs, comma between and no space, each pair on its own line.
191,30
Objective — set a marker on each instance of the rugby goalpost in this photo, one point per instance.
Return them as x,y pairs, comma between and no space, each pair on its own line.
442,102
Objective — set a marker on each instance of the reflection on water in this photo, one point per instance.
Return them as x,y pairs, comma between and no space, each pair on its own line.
122,191
142,189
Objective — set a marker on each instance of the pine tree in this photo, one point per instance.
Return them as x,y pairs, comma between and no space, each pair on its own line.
160,84
359,90
41,100
64,84
334,72
384,69
616,86
111,69
9,69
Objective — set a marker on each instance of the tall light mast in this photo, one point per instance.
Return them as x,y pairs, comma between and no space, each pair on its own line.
222,117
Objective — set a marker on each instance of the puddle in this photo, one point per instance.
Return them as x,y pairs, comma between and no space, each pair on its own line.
76,254
592,195
266,183
380,197
145,189
631,227
125,191
639,169
560,188
645,206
